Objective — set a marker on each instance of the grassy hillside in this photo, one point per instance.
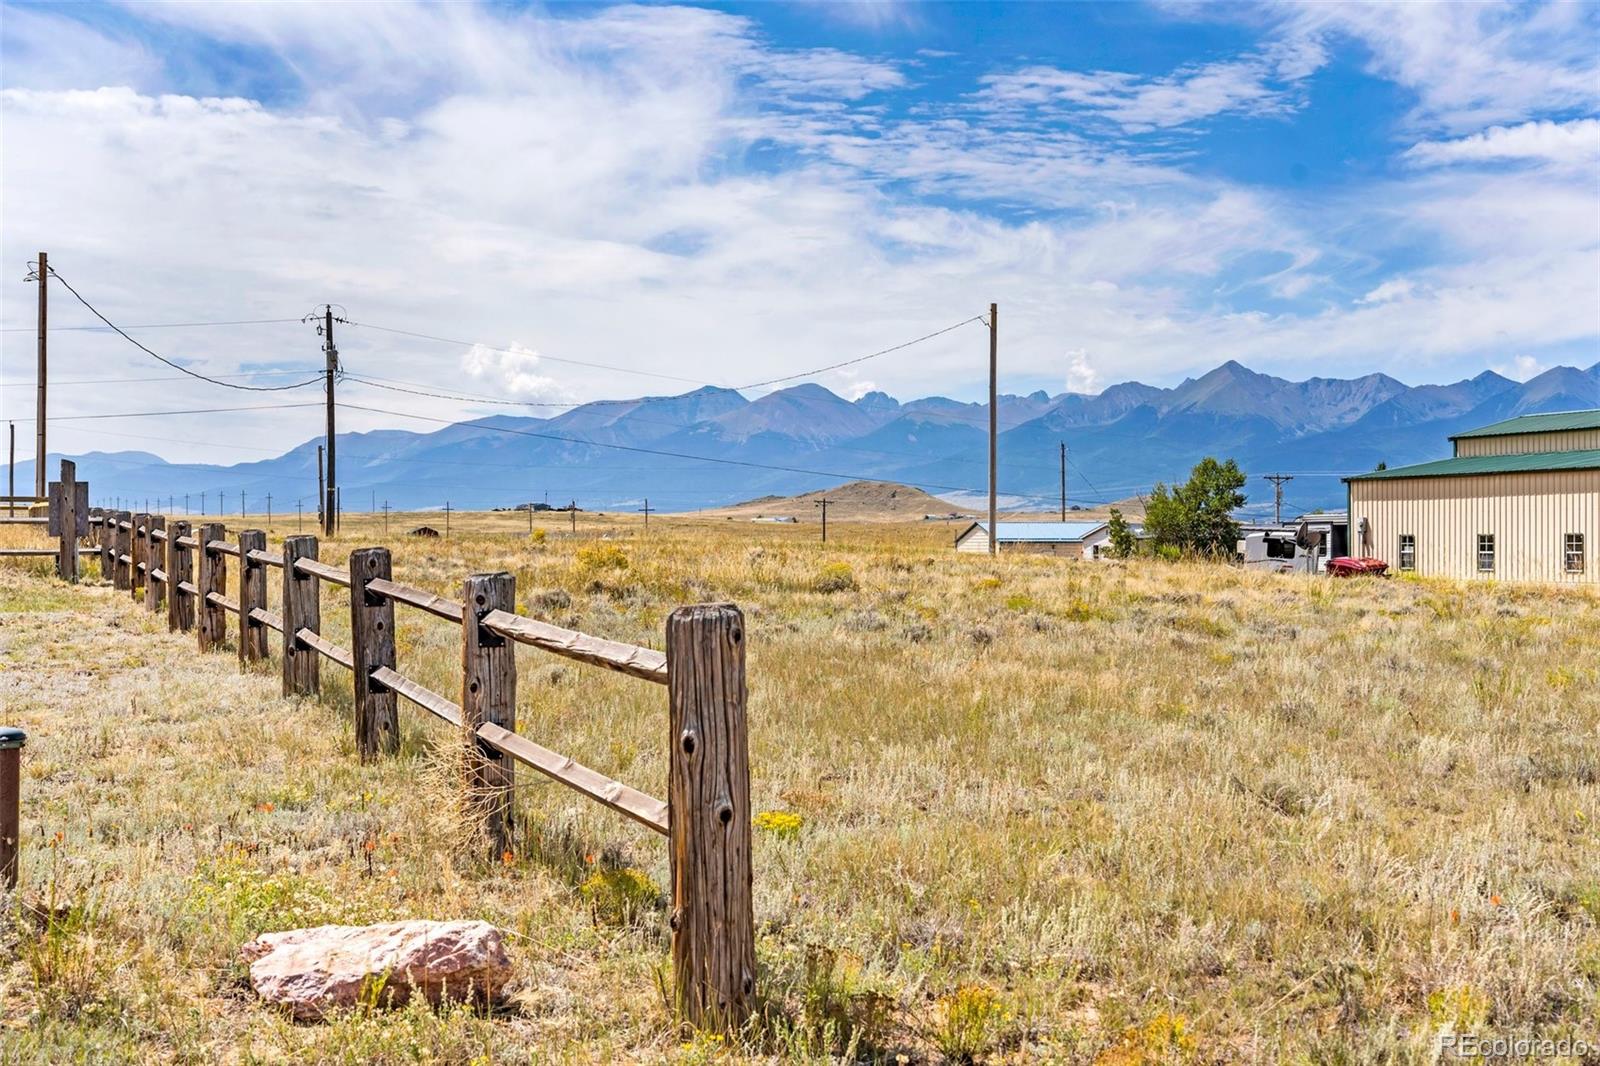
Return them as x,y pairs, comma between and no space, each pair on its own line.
1092,812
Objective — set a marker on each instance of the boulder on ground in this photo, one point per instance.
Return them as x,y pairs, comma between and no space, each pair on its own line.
312,971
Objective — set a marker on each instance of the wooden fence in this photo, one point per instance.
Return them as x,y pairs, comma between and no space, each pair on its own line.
67,521
182,569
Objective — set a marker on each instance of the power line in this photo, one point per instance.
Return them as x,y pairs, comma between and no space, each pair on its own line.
122,381
161,358
149,325
518,351
862,358
190,411
650,451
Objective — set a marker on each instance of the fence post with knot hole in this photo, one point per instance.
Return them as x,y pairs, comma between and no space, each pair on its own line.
180,607
708,803
488,694
371,649
213,577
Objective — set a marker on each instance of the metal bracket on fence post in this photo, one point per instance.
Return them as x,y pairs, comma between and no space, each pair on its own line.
12,740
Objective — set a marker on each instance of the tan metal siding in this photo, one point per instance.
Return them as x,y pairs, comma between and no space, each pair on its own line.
1529,515
1568,440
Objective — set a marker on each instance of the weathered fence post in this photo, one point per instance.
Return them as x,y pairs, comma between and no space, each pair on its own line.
372,647
155,556
122,552
708,800
108,544
12,740
213,578
488,694
180,608
302,609
139,555
252,594
68,518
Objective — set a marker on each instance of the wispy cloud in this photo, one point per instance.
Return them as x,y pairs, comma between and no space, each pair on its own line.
1545,141
1258,84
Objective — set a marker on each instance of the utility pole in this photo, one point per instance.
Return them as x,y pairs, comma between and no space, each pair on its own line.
647,512
186,505
299,518
530,518
573,513
1277,494
202,505
269,510
386,518
11,473
447,518
823,503
322,497
39,452
1063,481
330,506
994,424
241,503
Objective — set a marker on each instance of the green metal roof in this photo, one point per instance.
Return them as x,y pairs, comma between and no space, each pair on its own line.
1531,463
1554,422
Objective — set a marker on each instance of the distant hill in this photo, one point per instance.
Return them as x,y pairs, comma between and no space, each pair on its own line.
713,447
855,501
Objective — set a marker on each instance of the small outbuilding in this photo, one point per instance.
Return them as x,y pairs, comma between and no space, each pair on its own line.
1072,540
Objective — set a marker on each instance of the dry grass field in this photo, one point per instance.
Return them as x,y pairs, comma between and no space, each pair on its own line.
1011,811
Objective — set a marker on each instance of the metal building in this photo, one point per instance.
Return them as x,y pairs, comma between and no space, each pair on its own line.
1519,501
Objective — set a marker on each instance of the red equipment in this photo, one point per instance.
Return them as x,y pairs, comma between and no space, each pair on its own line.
1347,566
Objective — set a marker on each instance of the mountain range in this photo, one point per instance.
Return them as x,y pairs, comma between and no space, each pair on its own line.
713,446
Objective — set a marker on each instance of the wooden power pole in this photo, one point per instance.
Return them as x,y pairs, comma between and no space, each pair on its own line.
39,415
823,503
1063,481
330,501
994,424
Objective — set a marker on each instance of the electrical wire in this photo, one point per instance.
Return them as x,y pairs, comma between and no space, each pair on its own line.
147,325
161,414
122,381
861,358
646,451
161,358
519,351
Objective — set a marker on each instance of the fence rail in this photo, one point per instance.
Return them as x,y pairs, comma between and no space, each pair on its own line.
706,817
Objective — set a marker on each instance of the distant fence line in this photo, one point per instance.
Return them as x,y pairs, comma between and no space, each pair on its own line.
181,569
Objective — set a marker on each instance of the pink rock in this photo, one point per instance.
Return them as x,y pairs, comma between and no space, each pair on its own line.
313,971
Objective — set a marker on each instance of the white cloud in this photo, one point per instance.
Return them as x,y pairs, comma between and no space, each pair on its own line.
1470,64
1081,375
1393,289
1521,368
513,370
1575,142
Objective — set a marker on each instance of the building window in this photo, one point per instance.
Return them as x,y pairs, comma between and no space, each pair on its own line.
1486,552
1572,553
1408,551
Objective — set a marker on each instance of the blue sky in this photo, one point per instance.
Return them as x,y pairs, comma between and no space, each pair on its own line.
730,192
